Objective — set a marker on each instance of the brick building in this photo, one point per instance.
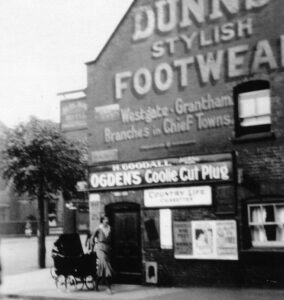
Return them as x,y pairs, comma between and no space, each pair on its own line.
73,124
185,131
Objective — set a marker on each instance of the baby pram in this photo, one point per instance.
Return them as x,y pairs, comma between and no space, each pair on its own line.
73,269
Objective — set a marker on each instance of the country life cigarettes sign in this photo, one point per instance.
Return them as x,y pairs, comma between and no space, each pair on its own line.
185,196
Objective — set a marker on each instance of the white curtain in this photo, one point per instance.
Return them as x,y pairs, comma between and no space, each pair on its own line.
258,216
280,220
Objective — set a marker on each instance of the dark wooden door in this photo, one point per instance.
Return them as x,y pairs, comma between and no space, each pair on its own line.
126,242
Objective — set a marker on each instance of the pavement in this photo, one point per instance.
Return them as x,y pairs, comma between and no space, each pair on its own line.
40,285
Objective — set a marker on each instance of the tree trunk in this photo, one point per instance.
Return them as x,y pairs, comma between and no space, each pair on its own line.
41,232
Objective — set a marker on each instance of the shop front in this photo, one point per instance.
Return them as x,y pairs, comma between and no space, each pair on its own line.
168,212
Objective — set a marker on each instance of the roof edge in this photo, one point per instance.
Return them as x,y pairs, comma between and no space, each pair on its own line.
112,35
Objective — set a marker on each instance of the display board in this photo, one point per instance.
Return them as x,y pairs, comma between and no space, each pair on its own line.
206,240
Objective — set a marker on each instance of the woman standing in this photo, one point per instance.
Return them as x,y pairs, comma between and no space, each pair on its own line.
102,237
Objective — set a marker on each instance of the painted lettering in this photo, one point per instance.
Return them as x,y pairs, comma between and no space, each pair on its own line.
214,172
144,23
196,8
189,174
162,176
209,66
121,85
171,126
236,61
203,104
158,49
188,40
233,62
182,67
115,179
166,15
166,8
232,7
163,77
124,135
147,114
207,122
263,56
250,4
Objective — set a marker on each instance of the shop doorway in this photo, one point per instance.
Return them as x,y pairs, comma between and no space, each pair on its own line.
126,241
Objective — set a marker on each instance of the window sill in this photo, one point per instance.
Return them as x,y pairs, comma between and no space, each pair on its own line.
263,245
263,250
253,137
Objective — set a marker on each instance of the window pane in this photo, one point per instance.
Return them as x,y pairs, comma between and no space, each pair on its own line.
280,233
270,231
258,234
280,213
263,106
247,108
268,213
256,215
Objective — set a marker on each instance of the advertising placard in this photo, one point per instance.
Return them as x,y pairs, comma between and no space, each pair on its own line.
94,211
203,239
208,240
166,239
182,196
161,172
104,155
182,239
73,114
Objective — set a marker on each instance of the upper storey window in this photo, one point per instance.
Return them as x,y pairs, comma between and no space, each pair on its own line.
252,108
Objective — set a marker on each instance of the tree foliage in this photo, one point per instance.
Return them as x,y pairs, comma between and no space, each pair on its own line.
40,160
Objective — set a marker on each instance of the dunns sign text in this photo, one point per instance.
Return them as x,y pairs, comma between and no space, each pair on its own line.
234,51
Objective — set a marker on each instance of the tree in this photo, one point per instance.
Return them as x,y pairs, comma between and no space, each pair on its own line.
41,162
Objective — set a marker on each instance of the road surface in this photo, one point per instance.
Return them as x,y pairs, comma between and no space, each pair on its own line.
20,254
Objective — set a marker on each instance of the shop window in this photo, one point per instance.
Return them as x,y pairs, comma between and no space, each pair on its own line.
252,108
266,223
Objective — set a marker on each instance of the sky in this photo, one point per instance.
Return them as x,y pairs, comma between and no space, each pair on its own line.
44,45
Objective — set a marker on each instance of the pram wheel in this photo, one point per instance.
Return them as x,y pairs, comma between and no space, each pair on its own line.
79,283
89,282
60,282
53,272
71,284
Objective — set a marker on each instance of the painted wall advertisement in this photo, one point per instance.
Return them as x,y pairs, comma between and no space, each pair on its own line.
206,240
190,43
73,114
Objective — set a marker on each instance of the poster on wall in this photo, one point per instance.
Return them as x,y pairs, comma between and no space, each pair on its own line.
94,211
226,238
207,240
182,239
73,114
202,239
166,239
